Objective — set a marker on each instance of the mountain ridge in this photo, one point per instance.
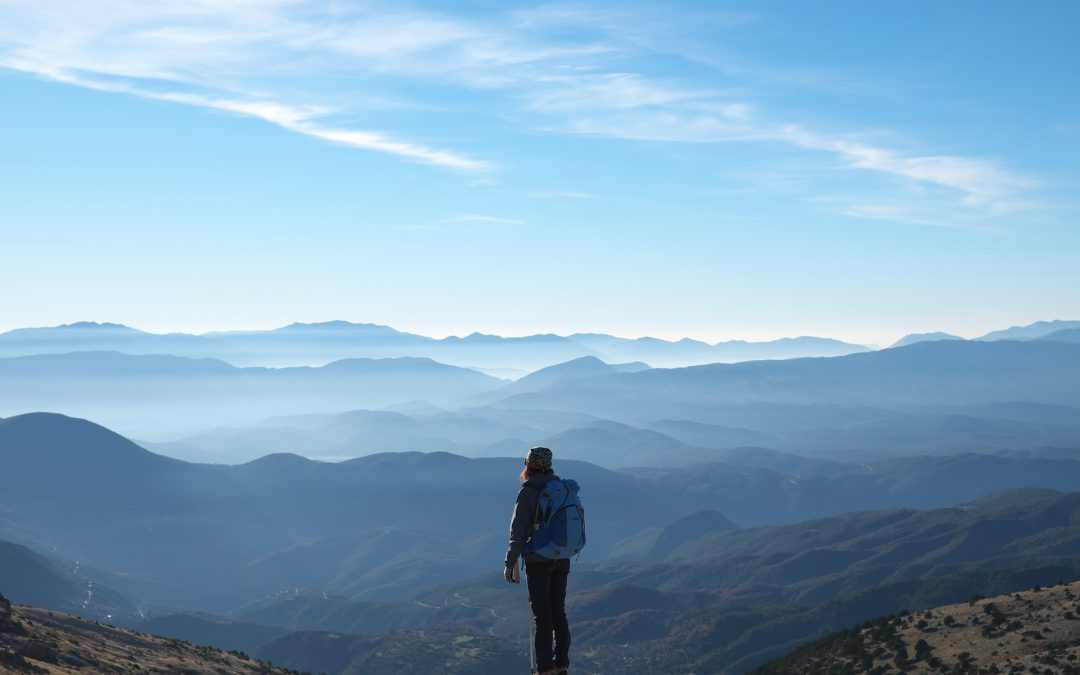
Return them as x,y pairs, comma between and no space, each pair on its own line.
317,343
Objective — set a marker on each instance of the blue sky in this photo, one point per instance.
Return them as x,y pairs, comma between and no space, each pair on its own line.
715,170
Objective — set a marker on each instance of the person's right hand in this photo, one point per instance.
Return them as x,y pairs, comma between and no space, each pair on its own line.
511,574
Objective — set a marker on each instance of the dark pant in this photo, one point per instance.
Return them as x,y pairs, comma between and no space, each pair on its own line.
547,600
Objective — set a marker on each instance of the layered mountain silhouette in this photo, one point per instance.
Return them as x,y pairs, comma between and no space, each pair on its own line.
735,510
357,527
926,373
160,393
1032,331
929,397
319,343
285,521
678,563
866,401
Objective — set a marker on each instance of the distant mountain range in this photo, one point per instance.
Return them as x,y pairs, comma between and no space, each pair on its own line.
926,373
316,344
1040,330
159,394
638,436
926,397
1034,331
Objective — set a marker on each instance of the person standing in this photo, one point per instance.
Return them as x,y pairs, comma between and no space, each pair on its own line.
546,538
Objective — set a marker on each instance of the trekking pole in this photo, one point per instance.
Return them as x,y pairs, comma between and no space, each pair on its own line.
532,633
532,645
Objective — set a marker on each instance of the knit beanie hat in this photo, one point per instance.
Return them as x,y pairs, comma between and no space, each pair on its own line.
539,459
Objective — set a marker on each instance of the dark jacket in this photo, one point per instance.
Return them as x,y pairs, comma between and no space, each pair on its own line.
524,514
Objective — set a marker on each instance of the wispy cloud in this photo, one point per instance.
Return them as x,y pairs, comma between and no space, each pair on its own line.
979,182
300,120
982,181
564,68
213,54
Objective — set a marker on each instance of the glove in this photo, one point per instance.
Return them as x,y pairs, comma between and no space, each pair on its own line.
511,574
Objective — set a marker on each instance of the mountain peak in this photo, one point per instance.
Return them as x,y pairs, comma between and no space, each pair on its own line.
95,324
584,366
336,325
44,438
66,329
912,338
687,529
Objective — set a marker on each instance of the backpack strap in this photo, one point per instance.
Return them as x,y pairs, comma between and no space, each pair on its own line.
536,517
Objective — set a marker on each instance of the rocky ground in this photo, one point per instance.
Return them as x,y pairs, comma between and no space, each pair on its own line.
1032,631
40,641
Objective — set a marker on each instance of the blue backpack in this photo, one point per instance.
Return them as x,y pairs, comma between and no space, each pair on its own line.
558,528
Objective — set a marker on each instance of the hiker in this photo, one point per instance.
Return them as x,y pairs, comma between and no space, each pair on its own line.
547,528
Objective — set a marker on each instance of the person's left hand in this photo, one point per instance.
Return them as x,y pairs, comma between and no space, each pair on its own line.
511,574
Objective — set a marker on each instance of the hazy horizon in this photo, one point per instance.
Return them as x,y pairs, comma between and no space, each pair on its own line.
163,329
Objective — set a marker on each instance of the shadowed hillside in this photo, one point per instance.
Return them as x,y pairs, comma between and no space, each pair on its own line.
365,528
32,579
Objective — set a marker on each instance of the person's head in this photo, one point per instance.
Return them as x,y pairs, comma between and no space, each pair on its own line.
536,462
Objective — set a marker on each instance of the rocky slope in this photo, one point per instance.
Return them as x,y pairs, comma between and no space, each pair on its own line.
1033,631
39,641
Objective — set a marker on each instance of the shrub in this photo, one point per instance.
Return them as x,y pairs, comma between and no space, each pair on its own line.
922,650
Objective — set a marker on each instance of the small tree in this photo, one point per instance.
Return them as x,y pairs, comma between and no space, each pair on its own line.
922,650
